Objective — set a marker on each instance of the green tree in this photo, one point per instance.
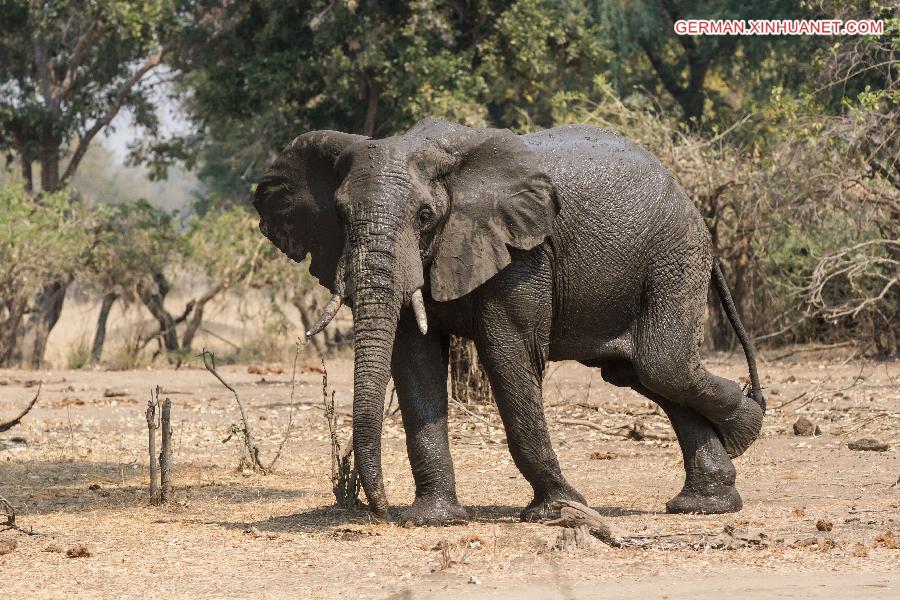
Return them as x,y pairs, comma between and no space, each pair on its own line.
376,68
133,246
39,242
709,78
68,68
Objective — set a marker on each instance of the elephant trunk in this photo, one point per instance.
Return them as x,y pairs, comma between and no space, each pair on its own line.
376,310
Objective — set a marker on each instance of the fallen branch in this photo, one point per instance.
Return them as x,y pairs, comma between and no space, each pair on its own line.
10,424
637,431
576,516
476,416
10,513
866,422
592,425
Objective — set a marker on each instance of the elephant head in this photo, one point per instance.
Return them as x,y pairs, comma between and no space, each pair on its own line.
438,205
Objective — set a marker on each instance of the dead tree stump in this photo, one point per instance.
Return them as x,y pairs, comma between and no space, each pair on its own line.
582,519
571,539
151,446
165,454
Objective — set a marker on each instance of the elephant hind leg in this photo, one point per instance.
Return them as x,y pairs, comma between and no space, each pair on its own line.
709,472
666,358
736,418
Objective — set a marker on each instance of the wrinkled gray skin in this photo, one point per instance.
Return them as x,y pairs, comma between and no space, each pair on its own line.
571,243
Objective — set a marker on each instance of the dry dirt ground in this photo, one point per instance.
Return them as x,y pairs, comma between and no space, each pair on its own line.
76,471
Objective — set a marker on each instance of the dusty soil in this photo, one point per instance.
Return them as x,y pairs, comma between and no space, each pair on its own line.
76,471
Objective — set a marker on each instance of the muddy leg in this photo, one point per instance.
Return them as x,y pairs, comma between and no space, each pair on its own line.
419,367
709,472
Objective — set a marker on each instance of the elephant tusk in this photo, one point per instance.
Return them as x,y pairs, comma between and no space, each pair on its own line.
418,304
327,315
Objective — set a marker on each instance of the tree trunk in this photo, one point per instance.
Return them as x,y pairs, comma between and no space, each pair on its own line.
468,381
693,96
10,330
374,90
197,317
152,295
307,321
365,119
26,173
50,164
721,336
100,335
50,305
49,302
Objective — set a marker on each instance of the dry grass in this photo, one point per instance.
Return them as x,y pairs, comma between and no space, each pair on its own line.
79,478
237,328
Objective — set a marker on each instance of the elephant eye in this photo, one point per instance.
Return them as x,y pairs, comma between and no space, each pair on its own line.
425,216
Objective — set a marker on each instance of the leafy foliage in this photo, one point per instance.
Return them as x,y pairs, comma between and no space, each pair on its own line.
789,146
39,242
376,68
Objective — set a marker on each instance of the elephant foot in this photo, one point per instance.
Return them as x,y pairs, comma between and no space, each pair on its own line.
434,511
741,429
539,509
715,500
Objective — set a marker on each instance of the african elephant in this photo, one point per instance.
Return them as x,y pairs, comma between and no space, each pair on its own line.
566,244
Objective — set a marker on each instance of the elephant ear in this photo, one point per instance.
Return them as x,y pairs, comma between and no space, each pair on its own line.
295,201
499,196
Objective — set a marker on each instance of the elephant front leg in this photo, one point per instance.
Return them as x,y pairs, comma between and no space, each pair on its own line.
419,367
516,382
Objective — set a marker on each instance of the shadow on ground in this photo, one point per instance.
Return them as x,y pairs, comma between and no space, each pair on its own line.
44,487
336,519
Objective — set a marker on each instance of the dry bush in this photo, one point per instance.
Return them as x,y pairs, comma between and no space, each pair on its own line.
468,380
344,481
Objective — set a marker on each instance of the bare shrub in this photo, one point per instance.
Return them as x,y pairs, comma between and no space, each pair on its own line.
344,481
250,455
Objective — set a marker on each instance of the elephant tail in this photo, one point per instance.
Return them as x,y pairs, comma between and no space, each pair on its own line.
735,320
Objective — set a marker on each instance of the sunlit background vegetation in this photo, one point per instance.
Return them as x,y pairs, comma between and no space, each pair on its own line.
789,147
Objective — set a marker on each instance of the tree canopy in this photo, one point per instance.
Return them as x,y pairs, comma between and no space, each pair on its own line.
789,146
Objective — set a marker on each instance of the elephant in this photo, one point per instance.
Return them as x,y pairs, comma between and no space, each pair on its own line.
570,243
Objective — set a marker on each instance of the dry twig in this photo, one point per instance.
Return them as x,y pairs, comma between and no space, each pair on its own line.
290,423
250,459
344,480
15,421
250,456
10,513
